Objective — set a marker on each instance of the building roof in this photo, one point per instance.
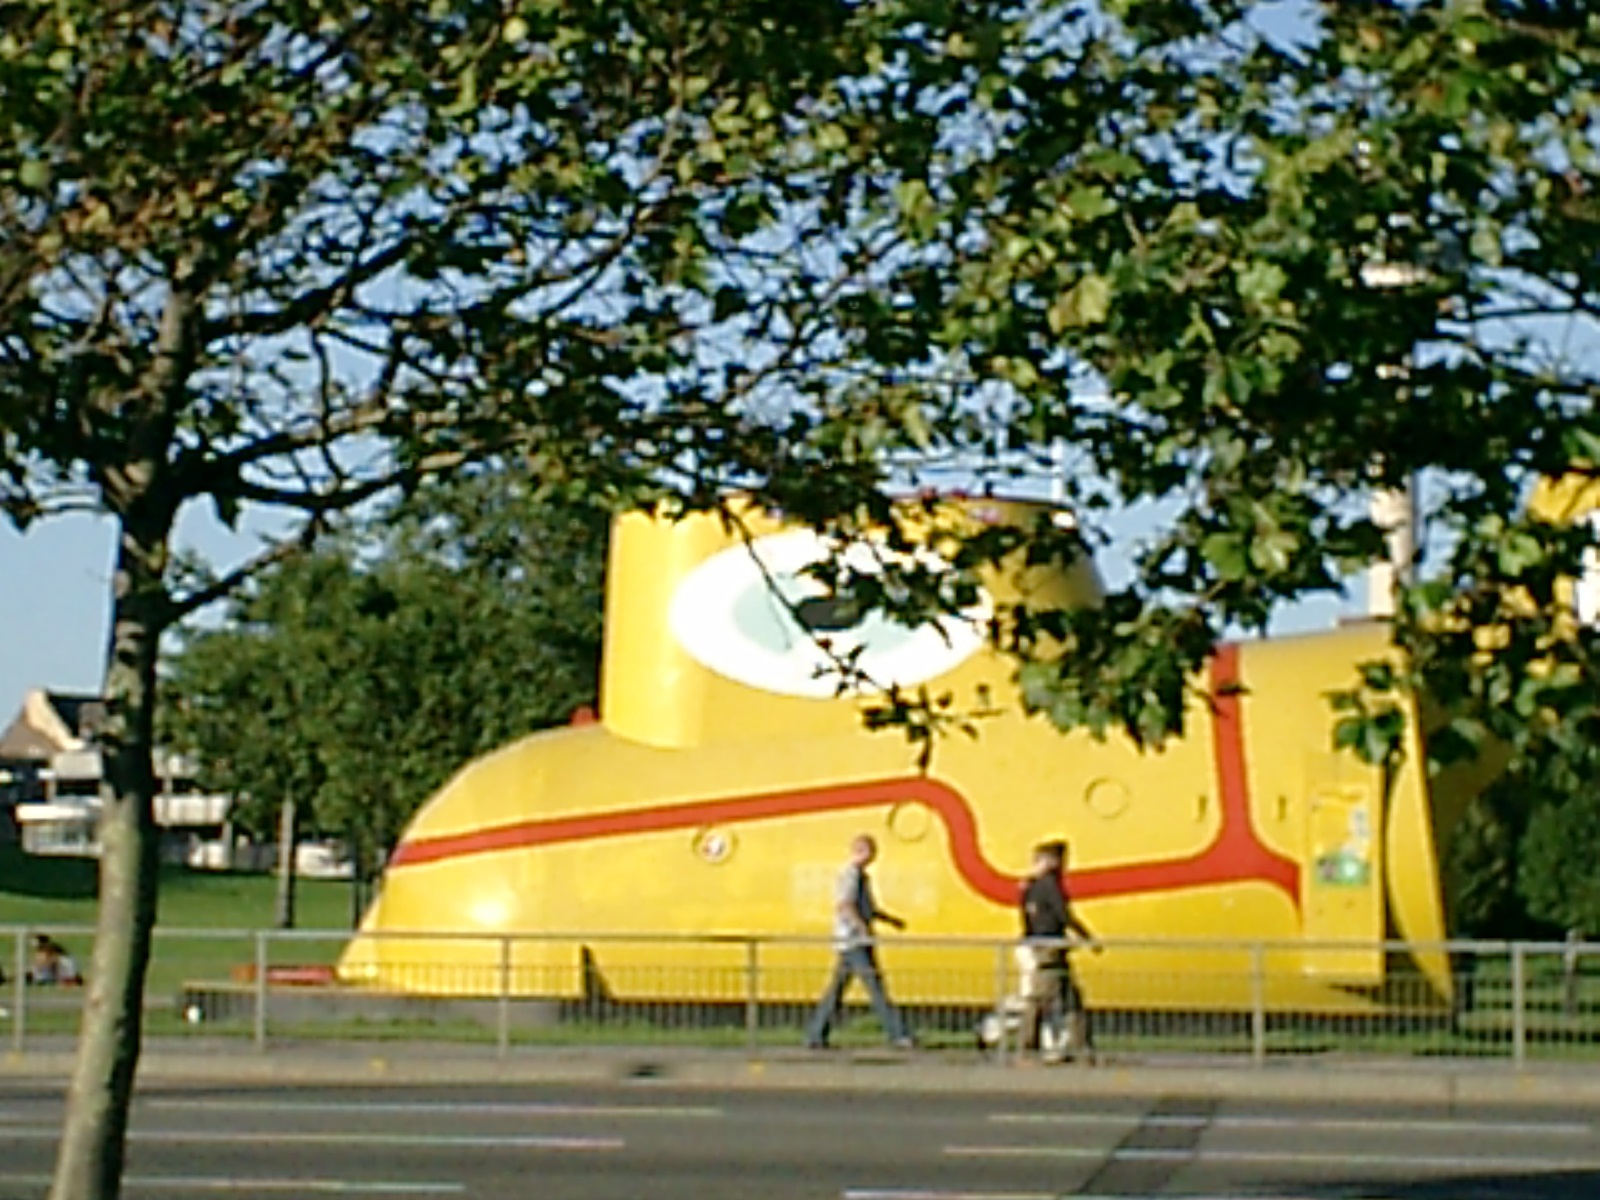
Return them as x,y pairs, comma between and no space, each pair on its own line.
50,723
22,743
83,715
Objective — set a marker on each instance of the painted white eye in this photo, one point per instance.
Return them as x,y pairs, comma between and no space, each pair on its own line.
727,616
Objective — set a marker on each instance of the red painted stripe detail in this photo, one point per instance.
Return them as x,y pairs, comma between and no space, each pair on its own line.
1239,847
950,804
1236,855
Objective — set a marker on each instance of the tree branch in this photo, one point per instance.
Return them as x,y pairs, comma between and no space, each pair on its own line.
308,306
348,494
179,607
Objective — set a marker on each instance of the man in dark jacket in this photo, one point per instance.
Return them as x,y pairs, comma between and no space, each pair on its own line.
1054,1001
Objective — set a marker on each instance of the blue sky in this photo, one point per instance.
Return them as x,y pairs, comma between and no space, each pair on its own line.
55,598
53,605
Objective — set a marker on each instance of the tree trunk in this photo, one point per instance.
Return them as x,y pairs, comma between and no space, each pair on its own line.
94,1134
288,840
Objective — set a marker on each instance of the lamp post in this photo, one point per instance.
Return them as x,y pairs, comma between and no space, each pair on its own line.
1393,510
1586,595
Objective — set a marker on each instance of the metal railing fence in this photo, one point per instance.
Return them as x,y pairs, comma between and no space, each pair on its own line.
1149,999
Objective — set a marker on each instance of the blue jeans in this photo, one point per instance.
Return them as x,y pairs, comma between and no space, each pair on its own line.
854,962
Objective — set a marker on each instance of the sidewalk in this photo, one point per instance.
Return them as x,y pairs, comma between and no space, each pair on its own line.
1328,1078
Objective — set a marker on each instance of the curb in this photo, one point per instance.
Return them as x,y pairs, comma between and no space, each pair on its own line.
1372,1082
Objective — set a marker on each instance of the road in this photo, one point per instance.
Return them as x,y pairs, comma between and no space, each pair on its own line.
649,1140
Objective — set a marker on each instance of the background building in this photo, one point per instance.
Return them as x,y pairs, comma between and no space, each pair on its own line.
50,773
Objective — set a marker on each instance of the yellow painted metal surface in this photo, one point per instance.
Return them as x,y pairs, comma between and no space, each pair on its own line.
719,790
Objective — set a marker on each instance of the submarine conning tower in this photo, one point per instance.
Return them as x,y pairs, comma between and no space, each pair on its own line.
703,636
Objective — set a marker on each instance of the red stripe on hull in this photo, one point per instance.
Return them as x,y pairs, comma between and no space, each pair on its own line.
1237,854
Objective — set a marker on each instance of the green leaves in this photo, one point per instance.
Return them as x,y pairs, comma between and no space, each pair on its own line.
1555,872
918,210
1090,203
1375,737
1261,283
34,174
1228,554
1273,552
1518,551
1085,303
1373,726
1282,293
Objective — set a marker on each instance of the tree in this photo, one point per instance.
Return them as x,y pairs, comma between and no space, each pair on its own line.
235,708
1242,278
1556,874
1560,810
297,254
1481,867
349,683
1300,272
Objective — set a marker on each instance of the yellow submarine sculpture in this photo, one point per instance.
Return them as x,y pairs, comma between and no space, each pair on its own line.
715,796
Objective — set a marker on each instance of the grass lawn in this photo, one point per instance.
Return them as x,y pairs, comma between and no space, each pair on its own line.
57,896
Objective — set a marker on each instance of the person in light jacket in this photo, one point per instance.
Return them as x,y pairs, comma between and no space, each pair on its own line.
855,912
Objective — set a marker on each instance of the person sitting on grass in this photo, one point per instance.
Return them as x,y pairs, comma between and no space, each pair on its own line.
52,965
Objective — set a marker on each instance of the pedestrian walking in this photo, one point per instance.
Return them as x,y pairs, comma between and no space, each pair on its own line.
855,912
1055,1017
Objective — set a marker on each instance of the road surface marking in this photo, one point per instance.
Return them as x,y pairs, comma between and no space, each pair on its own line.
206,1137
436,1108
323,1187
1346,1124
1540,1164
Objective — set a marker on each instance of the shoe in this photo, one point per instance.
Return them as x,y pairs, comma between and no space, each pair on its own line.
818,1046
904,1043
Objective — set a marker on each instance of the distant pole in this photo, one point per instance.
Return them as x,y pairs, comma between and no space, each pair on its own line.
1395,512
283,918
358,882
1586,596
1058,471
